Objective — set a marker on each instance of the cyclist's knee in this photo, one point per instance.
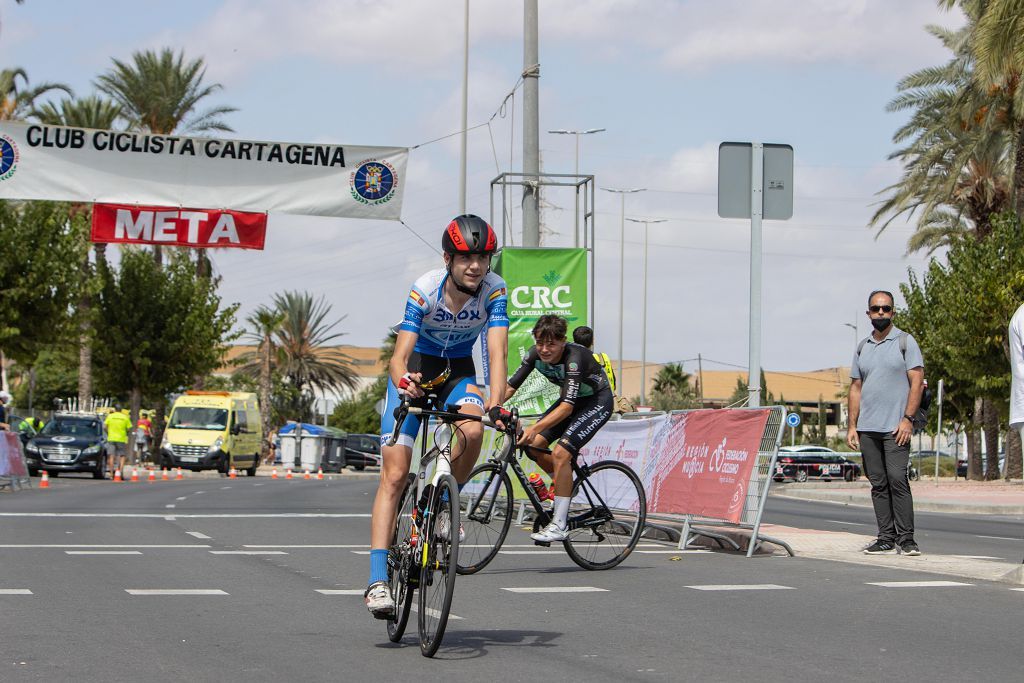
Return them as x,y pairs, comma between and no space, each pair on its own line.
472,432
560,454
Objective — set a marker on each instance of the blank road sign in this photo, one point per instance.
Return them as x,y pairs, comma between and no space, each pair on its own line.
734,179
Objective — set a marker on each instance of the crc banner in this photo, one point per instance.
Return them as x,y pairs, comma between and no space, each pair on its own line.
692,463
120,223
540,281
103,166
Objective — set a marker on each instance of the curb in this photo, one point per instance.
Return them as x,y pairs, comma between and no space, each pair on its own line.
919,505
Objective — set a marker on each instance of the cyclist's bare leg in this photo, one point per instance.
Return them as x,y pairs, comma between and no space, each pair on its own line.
393,472
467,451
542,459
563,470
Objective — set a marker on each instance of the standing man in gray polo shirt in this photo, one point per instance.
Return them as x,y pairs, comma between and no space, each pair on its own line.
887,375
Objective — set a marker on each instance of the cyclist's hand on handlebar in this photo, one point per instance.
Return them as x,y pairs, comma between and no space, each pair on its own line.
409,385
499,416
527,435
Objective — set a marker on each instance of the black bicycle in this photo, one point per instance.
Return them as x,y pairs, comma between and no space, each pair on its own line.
607,512
424,547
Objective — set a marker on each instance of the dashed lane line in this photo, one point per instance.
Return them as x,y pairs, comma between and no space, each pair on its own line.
556,589
432,612
341,591
196,534
171,505
248,552
917,584
15,591
289,547
98,546
1000,538
743,587
254,515
102,552
181,498
174,591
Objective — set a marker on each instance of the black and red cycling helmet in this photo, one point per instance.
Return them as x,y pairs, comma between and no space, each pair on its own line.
469,234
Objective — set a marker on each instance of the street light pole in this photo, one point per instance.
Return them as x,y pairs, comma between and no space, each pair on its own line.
643,326
856,336
577,133
622,272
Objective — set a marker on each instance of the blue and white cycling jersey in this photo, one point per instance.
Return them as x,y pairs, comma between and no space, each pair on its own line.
443,332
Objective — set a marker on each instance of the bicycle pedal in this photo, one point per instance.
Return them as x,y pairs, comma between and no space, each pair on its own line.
543,544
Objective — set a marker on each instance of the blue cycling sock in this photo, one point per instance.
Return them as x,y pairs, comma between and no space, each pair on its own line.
444,494
378,565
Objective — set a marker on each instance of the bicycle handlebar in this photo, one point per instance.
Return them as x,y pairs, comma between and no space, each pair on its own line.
405,409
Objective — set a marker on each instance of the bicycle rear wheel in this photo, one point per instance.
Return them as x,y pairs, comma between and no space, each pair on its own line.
486,513
400,562
437,561
607,514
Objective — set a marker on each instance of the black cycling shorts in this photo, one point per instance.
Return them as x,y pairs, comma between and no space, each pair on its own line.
589,414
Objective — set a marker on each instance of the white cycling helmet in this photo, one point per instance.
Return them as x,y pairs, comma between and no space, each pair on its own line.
5,396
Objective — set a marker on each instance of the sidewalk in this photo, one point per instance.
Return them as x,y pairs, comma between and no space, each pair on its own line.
974,497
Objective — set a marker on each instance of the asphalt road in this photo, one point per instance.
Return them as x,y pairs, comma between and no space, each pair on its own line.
65,615
990,536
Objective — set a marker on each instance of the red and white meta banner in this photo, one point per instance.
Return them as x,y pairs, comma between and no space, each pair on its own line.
198,228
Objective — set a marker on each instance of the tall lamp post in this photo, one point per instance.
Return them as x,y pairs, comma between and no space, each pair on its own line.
643,327
622,270
577,133
856,336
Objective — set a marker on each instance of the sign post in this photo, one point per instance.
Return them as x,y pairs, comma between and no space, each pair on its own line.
793,420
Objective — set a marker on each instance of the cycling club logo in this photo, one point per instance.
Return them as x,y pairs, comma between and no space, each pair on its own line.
373,182
9,157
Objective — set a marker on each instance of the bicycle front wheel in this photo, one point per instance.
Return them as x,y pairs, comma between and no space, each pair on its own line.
400,561
486,513
607,514
437,561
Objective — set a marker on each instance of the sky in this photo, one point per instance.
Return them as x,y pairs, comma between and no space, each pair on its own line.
668,80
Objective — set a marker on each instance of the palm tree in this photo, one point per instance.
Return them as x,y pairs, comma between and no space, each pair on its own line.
305,338
17,102
87,112
673,389
264,323
159,93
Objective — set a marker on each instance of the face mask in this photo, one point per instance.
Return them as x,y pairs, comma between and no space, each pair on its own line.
881,323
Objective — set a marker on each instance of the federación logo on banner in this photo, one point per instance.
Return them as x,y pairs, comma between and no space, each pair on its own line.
373,182
9,157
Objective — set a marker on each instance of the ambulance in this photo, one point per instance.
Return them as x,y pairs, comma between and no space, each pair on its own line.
209,430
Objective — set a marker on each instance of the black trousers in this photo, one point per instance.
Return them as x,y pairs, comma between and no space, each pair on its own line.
885,465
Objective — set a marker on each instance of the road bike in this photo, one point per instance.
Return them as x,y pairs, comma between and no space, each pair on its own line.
424,547
607,511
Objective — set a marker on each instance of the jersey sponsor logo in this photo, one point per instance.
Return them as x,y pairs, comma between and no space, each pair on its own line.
441,315
415,296
456,236
573,367
373,182
9,157
496,293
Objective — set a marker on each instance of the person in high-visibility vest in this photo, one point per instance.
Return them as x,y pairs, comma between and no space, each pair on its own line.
584,336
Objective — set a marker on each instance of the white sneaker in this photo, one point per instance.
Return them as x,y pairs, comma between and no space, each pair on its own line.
551,533
444,524
379,601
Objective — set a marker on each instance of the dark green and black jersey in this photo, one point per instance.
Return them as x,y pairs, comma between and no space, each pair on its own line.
577,372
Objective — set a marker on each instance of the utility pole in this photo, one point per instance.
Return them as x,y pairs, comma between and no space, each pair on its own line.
700,378
622,273
465,112
643,326
531,126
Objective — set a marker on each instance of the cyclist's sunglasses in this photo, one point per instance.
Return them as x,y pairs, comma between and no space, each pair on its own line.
439,380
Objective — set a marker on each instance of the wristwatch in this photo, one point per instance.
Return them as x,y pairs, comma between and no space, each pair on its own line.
907,417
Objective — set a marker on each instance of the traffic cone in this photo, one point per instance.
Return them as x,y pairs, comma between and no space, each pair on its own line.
152,476
44,482
179,475
163,474
135,474
232,474
117,475
306,475
273,473
320,474
288,473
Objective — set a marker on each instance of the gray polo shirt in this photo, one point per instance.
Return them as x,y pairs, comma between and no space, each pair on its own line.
883,370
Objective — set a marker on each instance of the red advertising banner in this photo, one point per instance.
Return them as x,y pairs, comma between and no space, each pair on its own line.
704,462
198,228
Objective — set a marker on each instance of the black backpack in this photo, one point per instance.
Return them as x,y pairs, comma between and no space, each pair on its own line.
920,420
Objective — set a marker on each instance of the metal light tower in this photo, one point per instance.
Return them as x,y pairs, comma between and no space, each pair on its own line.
576,172
622,270
643,344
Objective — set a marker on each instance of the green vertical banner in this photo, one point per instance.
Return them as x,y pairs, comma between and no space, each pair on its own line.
540,281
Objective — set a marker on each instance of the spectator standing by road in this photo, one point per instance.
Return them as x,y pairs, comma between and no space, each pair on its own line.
143,434
886,374
117,424
584,336
5,398
1016,337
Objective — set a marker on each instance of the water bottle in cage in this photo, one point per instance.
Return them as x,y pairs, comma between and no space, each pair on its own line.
543,492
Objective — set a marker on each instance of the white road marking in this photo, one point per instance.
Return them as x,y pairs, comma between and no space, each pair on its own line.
98,546
279,515
742,587
286,547
916,584
171,505
224,488
839,521
15,591
248,552
174,591
1017,589
1001,538
181,498
556,589
169,518
102,552
531,552
434,613
346,591
257,484
976,557
688,551
196,534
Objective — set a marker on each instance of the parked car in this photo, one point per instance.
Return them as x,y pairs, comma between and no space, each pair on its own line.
961,466
799,463
68,443
21,427
362,450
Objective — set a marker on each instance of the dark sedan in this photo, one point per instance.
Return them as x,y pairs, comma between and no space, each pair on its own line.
803,462
68,443
362,450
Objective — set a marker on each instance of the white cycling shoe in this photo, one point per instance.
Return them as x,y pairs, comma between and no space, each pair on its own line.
444,527
551,533
379,601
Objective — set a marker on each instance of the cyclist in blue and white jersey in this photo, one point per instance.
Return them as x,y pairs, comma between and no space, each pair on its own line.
446,311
